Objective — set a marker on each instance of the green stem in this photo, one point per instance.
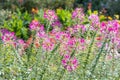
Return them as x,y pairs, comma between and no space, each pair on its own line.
63,72
17,54
48,60
97,58
29,51
48,27
89,50
113,59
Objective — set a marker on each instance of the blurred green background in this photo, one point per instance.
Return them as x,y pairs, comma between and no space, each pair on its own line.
112,6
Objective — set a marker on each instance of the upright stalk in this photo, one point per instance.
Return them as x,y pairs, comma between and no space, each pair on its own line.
97,58
89,50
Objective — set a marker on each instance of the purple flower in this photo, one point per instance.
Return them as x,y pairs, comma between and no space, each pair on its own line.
110,27
78,28
41,33
78,14
103,27
69,63
50,15
47,45
95,22
3,31
56,23
113,26
21,42
34,25
8,36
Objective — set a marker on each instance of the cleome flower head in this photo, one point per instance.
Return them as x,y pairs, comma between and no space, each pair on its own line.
34,25
50,15
69,63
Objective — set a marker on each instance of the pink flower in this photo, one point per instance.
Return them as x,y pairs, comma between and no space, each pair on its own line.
69,63
8,36
113,26
103,27
67,56
110,27
64,62
47,45
50,15
95,22
21,42
34,25
41,33
3,31
56,23
70,30
78,14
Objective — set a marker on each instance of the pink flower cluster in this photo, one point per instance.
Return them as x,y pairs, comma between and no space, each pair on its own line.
69,63
109,30
70,39
56,23
110,26
7,37
47,44
34,25
50,15
78,14
95,22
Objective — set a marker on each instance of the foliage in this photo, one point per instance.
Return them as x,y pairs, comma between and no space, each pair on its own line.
29,4
114,7
19,24
86,50
65,17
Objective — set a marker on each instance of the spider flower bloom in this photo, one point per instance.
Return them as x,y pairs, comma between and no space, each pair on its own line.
103,27
21,46
81,44
8,36
78,14
41,33
71,43
95,22
78,28
34,25
21,43
113,26
3,31
50,15
47,45
68,63
110,27
56,23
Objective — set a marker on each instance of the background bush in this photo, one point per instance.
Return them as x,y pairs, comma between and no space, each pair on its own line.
111,5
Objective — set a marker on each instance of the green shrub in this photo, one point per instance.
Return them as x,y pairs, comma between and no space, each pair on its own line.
65,17
19,23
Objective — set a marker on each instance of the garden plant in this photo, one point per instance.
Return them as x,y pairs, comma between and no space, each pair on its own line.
59,45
